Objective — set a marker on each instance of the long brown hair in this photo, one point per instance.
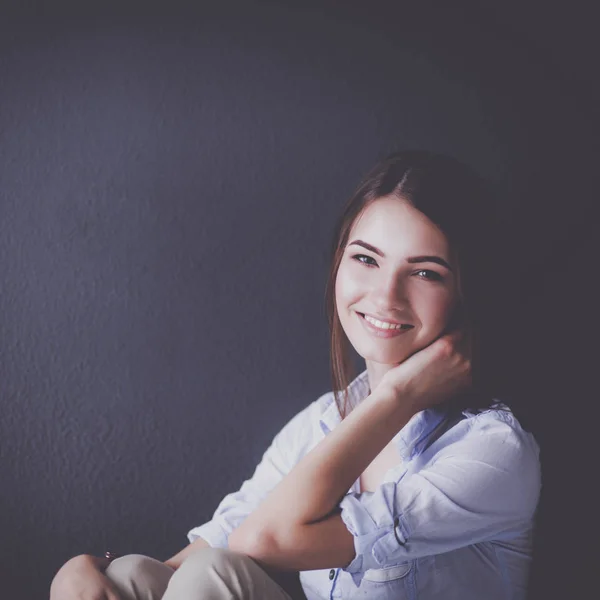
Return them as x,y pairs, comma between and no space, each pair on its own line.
462,204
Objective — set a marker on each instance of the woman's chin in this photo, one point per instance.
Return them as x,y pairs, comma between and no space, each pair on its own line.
387,359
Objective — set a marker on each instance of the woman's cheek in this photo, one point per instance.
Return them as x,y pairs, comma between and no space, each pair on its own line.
347,288
432,312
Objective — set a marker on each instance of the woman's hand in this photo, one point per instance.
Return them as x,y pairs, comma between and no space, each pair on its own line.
434,374
81,579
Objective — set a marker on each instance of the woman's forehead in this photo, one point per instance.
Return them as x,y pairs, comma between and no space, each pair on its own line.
397,225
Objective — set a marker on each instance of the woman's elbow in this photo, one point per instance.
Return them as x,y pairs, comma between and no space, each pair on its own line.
261,545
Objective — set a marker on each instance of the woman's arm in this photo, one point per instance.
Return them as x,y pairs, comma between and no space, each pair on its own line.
320,481
482,482
321,545
295,509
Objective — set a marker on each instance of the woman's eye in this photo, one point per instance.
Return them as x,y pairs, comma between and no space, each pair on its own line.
432,275
357,257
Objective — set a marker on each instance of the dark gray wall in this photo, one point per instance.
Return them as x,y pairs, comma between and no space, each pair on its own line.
168,191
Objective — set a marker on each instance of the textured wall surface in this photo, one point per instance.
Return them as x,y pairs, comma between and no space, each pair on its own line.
168,191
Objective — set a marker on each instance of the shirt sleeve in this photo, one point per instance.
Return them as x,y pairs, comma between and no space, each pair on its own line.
480,486
276,462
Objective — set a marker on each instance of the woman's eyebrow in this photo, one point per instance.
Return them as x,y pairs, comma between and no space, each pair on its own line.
411,259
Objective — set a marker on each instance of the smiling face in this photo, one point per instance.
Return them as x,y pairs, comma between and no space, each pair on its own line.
393,285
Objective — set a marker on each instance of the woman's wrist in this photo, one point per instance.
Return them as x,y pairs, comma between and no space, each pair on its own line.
400,402
388,394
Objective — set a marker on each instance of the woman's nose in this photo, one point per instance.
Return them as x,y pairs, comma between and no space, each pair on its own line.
391,293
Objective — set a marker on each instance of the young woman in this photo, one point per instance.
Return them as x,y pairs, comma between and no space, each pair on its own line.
408,481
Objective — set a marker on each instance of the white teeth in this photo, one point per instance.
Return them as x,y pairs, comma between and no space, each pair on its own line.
381,324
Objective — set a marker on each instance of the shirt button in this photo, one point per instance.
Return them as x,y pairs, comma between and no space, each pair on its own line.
332,574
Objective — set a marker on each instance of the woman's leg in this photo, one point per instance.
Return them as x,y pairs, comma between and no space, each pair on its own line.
218,574
139,577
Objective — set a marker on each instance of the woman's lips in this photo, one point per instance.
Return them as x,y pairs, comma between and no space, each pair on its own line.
382,333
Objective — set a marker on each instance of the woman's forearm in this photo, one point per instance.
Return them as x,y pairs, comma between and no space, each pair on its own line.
316,485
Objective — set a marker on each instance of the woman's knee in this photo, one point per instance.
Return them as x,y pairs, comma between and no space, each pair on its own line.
212,573
207,563
138,571
212,558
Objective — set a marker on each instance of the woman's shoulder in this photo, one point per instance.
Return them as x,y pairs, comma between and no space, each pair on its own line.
304,429
316,409
498,417
498,430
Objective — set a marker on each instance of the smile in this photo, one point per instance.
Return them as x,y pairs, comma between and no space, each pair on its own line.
383,332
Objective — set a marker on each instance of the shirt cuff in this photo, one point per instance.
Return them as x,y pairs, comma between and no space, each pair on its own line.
212,533
378,535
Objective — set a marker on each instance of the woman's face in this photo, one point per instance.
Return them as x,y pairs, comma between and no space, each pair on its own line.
387,281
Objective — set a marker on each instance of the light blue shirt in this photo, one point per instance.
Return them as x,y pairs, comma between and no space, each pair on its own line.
452,520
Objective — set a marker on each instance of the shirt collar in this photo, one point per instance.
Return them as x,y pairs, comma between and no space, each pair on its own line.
410,440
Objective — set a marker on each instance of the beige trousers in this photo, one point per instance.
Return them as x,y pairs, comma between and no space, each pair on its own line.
208,574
